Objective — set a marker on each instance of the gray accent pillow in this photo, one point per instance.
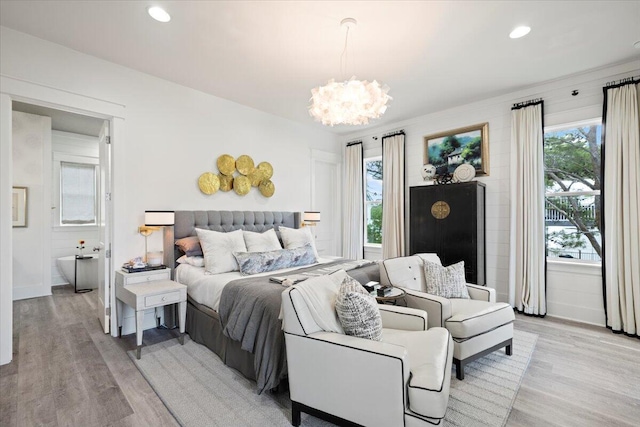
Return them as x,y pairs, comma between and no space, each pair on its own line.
261,262
358,311
446,282
190,246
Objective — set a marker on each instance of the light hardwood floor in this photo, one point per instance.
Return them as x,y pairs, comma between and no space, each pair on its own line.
66,371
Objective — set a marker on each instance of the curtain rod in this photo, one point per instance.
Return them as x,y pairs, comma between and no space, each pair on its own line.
349,144
528,103
622,82
394,133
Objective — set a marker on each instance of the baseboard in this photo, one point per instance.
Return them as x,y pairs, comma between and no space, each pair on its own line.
35,291
71,284
601,325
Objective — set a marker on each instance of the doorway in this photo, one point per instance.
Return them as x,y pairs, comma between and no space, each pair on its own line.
62,182
14,90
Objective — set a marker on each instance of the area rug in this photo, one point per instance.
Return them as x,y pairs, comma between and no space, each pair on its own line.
199,390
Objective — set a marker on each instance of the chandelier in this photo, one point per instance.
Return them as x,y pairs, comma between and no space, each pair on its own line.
350,102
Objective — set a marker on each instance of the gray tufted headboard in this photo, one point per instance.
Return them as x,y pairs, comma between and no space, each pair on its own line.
186,223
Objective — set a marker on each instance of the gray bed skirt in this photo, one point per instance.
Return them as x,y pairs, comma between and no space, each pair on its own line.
203,326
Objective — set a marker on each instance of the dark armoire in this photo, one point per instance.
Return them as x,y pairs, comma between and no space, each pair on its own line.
449,220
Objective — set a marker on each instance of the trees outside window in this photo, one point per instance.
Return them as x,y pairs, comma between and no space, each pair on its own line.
572,160
373,201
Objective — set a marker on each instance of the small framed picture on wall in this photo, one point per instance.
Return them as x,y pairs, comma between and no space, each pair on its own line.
19,206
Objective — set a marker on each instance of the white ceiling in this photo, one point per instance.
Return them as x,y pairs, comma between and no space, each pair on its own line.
268,55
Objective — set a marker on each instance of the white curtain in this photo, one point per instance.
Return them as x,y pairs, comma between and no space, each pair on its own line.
621,208
393,196
352,240
527,284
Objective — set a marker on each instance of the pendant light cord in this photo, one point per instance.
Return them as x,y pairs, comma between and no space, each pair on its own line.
344,55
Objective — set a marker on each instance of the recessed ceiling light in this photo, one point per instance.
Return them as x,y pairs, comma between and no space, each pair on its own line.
637,44
518,32
159,14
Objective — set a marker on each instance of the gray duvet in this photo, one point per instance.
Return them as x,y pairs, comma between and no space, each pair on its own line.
249,310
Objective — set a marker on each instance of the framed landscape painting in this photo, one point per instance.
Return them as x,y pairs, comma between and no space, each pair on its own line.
19,206
448,150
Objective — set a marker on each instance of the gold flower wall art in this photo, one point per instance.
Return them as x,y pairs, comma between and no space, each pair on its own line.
249,175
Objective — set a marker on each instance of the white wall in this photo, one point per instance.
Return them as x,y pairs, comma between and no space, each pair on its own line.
560,107
31,151
172,134
64,240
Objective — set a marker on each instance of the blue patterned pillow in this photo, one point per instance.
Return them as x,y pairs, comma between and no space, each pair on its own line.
262,262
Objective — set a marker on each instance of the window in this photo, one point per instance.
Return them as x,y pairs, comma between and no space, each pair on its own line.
373,201
572,154
76,190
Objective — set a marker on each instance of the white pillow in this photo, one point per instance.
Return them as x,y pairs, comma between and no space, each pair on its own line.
218,249
261,242
297,237
196,261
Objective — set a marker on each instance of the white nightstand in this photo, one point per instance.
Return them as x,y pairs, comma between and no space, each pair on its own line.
149,289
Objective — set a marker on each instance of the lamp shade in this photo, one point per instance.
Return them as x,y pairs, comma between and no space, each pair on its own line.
159,218
311,216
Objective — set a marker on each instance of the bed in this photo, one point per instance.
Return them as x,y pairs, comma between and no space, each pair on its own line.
237,317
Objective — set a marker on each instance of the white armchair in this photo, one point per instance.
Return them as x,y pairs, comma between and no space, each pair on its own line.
478,325
402,380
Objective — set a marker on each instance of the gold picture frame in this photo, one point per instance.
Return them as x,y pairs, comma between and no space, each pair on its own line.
469,144
19,207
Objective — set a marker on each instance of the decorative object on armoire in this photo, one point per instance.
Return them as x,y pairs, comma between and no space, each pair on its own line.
245,165
226,164
445,178
428,172
449,220
464,173
209,183
350,102
19,207
447,150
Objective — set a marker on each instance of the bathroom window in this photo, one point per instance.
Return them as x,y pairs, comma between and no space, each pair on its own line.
77,185
77,194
